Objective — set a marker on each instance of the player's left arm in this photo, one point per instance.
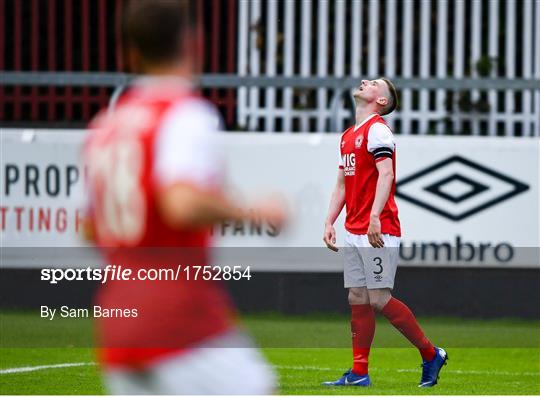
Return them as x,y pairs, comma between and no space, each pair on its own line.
381,145
384,185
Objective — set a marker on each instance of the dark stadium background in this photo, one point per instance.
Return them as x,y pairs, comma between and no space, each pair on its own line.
85,35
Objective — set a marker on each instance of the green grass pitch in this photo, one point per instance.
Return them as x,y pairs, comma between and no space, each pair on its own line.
486,357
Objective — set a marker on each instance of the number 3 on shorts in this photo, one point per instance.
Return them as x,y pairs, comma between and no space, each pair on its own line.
378,262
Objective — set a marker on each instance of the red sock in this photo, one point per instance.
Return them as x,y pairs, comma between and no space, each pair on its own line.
363,330
403,319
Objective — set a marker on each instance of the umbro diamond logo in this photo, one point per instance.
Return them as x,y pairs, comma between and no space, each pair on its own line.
457,188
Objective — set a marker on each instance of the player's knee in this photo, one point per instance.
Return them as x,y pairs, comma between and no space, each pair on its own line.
358,296
377,304
379,299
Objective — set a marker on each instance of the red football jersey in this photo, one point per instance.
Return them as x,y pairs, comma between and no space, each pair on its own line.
361,148
155,137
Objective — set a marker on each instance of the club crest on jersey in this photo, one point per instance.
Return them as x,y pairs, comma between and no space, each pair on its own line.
358,141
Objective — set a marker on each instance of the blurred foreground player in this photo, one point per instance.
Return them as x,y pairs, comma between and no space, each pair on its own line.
366,186
155,176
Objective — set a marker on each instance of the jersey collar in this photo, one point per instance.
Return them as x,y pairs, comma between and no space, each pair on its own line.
365,121
164,80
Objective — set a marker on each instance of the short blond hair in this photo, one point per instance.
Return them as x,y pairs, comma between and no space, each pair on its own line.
392,100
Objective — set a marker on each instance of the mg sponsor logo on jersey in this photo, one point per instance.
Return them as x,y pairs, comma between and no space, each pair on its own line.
349,164
457,188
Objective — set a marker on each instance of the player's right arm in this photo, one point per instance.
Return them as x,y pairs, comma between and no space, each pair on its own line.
189,172
182,205
337,202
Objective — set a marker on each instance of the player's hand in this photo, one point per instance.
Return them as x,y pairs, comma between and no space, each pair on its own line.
330,237
88,232
374,232
272,210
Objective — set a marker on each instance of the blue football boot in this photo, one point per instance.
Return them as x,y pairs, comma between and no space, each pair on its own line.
431,369
349,378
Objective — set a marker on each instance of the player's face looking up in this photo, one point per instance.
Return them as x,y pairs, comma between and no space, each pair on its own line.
379,92
372,91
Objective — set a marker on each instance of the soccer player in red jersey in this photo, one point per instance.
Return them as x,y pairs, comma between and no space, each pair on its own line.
155,176
366,186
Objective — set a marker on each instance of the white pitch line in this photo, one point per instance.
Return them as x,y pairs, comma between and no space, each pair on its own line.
305,367
291,367
475,372
452,371
41,367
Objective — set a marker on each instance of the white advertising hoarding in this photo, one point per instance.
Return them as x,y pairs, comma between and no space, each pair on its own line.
463,201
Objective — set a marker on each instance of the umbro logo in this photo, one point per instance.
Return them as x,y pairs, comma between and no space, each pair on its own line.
457,188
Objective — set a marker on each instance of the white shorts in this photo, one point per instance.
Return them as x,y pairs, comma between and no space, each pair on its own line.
370,267
204,370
